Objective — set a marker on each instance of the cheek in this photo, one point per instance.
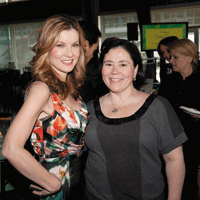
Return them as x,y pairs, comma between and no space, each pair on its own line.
130,73
54,53
165,55
105,72
76,52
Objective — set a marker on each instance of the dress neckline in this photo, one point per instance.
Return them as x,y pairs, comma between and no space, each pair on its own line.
116,121
79,101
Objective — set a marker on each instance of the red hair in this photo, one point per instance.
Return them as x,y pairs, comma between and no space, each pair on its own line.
47,40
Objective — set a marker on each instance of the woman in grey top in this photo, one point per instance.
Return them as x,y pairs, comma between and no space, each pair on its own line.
128,132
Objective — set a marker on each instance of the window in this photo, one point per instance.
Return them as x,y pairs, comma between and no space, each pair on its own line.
3,1
16,42
5,53
190,15
116,26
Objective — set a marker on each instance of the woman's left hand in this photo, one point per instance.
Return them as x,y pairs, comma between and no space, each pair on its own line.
39,191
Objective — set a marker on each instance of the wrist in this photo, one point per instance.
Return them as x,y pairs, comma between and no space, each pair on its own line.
55,184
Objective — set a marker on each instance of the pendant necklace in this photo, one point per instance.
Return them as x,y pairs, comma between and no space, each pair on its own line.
116,109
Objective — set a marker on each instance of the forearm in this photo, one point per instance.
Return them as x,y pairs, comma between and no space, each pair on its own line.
27,165
175,171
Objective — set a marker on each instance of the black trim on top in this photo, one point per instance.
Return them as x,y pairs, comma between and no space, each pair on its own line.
116,121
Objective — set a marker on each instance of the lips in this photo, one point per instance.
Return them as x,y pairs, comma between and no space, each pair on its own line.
67,62
115,80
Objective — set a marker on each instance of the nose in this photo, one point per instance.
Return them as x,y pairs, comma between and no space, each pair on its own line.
68,52
171,59
114,70
167,55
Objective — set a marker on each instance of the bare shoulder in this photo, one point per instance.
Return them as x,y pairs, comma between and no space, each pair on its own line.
39,86
38,97
38,90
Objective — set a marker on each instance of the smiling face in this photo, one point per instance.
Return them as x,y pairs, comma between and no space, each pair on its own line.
118,70
64,56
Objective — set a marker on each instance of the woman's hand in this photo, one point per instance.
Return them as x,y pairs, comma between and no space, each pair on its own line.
44,192
38,101
39,191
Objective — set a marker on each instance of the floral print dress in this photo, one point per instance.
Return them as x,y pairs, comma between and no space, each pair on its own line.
58,140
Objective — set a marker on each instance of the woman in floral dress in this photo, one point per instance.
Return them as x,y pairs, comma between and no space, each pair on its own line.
53,112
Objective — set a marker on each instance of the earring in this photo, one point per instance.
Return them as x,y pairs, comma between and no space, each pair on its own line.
134,79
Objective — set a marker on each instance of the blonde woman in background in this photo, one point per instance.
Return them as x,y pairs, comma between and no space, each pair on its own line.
181,88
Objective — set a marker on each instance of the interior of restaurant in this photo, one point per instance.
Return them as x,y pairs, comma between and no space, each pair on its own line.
21,20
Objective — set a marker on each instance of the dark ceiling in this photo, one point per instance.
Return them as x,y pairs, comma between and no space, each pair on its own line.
41,9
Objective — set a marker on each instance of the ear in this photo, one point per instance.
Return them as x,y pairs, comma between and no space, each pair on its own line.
135,70
189,59
87,45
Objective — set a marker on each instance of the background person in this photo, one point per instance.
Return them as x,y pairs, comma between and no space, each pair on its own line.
181,89
128,132
53,112
164,53
91,36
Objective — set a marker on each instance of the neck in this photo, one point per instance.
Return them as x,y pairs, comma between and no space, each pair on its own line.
119,99
187,72
121,95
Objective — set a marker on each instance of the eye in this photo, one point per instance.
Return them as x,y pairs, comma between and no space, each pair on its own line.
123,65
76,45
60,45
107,65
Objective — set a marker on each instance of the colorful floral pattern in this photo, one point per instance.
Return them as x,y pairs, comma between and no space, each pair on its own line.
59,139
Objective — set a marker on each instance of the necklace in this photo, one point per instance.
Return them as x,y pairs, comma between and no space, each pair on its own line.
116,109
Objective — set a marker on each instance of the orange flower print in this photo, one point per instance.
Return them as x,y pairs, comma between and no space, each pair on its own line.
36,148
39,134
61,173
59,124
63,153
56,98
54,133
58,104
59,108
65,139
37,124
71,114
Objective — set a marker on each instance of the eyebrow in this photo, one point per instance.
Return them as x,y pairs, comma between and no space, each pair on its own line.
64,42
61,42
121,61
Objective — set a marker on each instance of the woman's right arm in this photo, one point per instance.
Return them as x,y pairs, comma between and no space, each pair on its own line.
37,102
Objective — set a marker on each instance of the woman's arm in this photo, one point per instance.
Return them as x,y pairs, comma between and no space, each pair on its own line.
175,171
37,102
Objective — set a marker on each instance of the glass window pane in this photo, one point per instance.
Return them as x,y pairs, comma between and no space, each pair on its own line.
5,49
116,26
24,37
3,1
190,15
